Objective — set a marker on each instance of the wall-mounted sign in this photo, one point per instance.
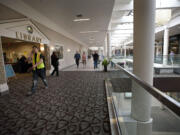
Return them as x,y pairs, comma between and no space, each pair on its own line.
9,70
27,37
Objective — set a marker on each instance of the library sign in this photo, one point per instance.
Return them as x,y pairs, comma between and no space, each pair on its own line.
28,37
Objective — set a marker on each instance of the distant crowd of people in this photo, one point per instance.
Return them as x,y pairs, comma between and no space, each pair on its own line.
77,58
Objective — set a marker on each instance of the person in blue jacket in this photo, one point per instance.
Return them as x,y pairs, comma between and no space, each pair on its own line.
77,57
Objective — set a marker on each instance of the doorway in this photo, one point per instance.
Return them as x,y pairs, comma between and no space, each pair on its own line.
16,53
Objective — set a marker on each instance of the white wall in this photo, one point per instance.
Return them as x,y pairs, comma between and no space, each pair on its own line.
56,38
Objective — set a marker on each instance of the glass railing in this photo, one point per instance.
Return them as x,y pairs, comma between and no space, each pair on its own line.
167,59
162,63
159,59
165,111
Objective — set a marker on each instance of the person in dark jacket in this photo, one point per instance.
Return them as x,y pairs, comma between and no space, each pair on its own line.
55,64
77,57
95,58
23,64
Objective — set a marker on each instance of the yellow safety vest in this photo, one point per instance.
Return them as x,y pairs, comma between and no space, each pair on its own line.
40,66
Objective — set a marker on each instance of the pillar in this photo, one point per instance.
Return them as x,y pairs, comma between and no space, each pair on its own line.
121,51
144,25
99,52
3,81
165,46
47,59
108,45
124,51
105,47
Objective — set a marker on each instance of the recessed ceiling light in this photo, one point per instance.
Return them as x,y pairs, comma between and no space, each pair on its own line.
81,19
83,32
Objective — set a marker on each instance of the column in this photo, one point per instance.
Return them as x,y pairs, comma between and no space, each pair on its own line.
99,52
47,59
108,45
121,51
105,47
124,51
144,25
165,46
125,64
3,81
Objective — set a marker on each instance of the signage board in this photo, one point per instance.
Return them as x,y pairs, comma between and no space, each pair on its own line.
9,70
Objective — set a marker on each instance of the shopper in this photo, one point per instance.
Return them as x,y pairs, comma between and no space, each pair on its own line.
172,57
23,64
84,59
95,58
55,64
77,57
38,70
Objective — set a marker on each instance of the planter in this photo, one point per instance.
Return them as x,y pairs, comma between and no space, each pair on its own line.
105,68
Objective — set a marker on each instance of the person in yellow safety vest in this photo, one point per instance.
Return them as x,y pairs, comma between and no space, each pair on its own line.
38,70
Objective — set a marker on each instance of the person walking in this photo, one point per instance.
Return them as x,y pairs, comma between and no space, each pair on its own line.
84,59
38,69
55,64
95,58
77,57
172,57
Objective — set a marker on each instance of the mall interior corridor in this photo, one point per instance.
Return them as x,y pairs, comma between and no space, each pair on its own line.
74,104
134,46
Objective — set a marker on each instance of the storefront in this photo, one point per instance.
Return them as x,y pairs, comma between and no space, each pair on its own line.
16,41
174,44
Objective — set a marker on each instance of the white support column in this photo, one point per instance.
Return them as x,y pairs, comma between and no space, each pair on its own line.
108,45
124,55
99,52
4,89
121,51
105,47
144,25
124,51
165,46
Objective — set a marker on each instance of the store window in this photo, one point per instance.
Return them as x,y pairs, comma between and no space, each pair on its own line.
174,44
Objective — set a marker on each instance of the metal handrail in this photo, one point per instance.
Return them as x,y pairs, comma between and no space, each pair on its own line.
171,103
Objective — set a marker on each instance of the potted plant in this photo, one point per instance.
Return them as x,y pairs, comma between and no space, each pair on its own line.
105,64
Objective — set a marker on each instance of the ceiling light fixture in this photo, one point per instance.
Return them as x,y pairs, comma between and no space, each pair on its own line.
68,50
81,19
84,32
52,47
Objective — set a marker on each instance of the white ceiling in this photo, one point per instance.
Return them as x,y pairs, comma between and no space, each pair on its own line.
61,13
7,13
121,27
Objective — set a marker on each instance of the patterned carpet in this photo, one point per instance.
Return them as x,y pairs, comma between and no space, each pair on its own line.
74,104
